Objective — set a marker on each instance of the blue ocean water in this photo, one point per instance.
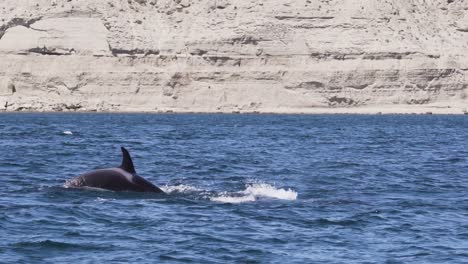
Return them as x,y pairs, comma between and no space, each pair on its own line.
241,189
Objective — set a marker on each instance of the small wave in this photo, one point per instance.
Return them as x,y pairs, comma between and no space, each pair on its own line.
67,132
254,192
51,244
344,222
229,198
181,188
70,184
102,200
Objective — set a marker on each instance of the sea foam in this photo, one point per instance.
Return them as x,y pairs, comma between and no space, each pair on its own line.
254,192
181,188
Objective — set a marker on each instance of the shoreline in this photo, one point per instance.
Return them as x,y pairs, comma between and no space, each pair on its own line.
312,111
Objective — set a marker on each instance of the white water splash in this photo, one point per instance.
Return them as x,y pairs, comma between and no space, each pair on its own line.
102,200
254,192
67,132
181,188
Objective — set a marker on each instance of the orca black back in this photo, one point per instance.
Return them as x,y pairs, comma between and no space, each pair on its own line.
123,178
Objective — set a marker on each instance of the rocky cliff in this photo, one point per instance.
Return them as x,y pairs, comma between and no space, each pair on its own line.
224,56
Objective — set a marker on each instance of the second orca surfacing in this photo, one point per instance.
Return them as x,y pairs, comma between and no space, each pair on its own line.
123,178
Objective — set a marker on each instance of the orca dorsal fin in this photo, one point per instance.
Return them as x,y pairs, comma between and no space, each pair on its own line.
127,163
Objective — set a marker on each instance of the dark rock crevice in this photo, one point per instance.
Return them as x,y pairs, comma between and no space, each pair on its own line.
70,107
304,17
335,101
245,40
133,52
52,51
18,22
309,85
370,56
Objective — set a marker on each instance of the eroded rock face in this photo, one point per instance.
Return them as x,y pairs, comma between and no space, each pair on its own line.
6,87
57,36
208,56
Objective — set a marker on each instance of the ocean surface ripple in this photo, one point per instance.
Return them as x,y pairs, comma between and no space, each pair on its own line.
240,189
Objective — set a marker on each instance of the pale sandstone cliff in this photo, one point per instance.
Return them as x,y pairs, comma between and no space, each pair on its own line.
220,55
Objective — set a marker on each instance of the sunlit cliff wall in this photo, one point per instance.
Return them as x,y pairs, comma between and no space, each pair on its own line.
219,55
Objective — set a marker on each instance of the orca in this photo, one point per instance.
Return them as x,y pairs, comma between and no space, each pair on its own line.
123,178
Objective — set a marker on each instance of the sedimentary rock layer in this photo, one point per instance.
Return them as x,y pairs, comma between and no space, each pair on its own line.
224,56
